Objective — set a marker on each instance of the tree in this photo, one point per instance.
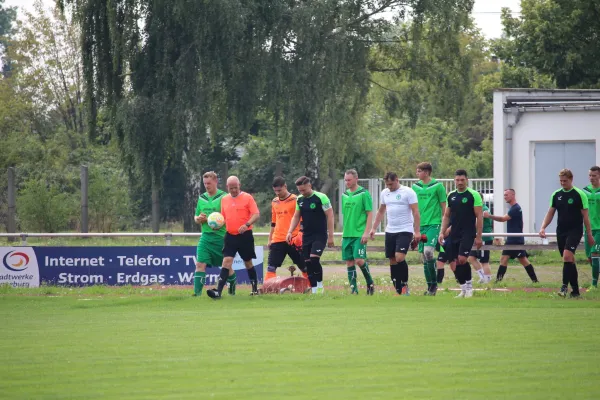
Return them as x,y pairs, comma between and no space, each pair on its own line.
554,37
7,18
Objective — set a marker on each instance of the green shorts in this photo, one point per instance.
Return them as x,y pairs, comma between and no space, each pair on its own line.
432,232
210,252
592,249
352,249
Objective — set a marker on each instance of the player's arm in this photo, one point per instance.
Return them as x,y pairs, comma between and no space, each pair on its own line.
443,197
378,219
329,215
479,215
199,216
293,224
588,227
497,218
445,225
416,220
547,219
273,222
365,236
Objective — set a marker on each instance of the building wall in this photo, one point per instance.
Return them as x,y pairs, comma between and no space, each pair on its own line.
534,126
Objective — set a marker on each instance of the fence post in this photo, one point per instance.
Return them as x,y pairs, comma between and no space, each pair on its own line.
12,204
155,208
84,199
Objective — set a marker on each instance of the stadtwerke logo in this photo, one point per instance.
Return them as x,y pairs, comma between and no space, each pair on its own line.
16,261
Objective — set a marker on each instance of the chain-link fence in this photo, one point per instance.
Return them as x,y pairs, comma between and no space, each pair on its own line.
485,186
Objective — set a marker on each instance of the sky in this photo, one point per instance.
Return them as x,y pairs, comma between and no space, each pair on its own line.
485,12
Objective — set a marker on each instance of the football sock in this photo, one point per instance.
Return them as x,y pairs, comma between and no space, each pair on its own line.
232,282
199,280
316,264
501,271
565,274
573,278
367,274
456,273
430,265
253,279
352,279
440,275
222,280
394,269
305,275
531,272
480,273
403,274
595,270
427,274
270,275
311,274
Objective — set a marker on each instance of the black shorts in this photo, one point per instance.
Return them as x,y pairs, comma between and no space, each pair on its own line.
460,246
397,243
279,250
482,255
515,254
242,244
443,257
568,240
313,245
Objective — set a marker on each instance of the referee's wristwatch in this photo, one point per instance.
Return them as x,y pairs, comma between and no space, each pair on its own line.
248,224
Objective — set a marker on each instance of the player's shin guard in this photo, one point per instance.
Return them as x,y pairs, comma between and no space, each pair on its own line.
440,275
403,274
318,268
352,279
394,268
232,283
531,272
270,273
367,274
253,279
595,270
461,273
222,280
199,280
311,274
501,272
427,275
566,274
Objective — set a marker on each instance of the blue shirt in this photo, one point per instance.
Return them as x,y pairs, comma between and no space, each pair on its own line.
515,224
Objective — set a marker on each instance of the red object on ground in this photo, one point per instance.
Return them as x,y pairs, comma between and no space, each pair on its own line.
290,284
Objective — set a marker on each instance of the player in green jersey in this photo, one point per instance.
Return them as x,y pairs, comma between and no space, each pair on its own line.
592,191
210,245
431,195
357,207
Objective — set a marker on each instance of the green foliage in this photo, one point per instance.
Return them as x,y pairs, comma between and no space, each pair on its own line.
557,38
45,208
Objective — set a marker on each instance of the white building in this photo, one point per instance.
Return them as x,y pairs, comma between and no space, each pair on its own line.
536,134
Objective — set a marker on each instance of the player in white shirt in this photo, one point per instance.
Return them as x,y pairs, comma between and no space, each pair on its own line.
401,207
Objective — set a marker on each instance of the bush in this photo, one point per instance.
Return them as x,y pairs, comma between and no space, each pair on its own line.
44,208
109,202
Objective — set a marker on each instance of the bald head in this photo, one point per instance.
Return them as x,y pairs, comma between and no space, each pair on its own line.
233,185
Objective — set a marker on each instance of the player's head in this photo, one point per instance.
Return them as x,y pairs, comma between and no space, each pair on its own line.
279,187
566,178
424,170
351,178
210,181
461,179
233,185
391,181
509,195
595,176
304,186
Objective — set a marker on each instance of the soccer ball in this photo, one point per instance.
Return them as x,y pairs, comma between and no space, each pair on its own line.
216,220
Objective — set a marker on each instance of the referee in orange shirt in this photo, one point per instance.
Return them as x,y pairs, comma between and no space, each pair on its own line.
283,208
240,212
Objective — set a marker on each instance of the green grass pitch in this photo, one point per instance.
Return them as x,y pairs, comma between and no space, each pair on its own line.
137,343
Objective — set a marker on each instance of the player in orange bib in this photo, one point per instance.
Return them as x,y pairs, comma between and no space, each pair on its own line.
283,208
240,212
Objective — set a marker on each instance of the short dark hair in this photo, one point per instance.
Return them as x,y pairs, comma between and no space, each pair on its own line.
303,180
461,172
278,181
425,166
390,176
510,190
595,168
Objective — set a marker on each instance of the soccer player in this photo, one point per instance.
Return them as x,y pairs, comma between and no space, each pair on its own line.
283,208
401,207
572,207
432,205
592,191
240,212
317,229
514,224
357,207
210,246
480,259
465,211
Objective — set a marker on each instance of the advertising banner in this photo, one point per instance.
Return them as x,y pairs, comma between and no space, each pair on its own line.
85,266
